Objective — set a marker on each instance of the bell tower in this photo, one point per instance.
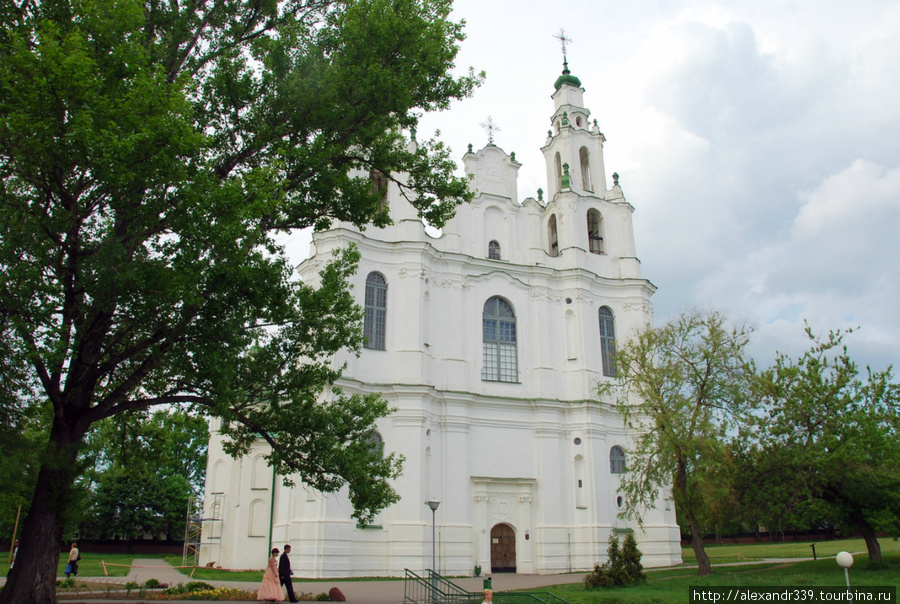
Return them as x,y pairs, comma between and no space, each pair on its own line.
582,214
574,147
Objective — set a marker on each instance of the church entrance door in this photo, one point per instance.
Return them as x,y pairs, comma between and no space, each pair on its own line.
503,549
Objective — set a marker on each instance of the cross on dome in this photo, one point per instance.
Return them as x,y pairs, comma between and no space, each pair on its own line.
561,36
490,127
566,77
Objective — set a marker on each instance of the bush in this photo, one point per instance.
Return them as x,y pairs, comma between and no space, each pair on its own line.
323,597
597,578
188,588
152,583
631,561
336,595
623,565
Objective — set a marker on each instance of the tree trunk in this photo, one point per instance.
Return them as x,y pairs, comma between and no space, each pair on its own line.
680,485
33,578
868,534
704,567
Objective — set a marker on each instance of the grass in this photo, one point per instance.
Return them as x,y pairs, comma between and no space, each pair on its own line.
671,586
720,554
91,565
202,573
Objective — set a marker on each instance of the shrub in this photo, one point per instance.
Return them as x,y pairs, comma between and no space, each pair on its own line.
323,597
129,586
623,565
631,561
336,595
152,583
597,578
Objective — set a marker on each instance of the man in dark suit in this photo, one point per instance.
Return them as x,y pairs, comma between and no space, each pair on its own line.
285,572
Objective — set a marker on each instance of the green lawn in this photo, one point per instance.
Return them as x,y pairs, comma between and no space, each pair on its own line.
215,574
719,554
671,586
90,564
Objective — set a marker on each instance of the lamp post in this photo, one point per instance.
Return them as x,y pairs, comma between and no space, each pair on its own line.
434,506
845,561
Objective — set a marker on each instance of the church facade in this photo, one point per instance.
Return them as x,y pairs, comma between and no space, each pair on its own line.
489,340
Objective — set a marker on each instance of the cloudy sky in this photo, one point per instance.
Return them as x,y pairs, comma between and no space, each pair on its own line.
758,140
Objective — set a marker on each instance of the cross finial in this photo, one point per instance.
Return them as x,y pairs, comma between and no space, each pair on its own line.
561,36
490,127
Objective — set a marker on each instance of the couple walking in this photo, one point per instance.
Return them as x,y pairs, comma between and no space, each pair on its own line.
278,573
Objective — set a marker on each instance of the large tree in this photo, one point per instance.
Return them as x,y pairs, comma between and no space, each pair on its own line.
682,388
827,441
142,468
151,151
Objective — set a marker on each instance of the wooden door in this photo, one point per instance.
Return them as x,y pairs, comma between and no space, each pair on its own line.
503,549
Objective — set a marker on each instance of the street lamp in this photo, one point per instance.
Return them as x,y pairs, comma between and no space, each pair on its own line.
434,506
845,561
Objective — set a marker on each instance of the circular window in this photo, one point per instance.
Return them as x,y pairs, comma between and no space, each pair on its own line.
568,300
577,441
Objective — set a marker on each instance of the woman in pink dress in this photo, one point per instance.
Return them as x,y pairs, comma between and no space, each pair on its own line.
270,589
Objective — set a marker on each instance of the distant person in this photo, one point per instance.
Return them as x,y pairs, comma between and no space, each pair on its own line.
285,572
74,557
271,589
488,596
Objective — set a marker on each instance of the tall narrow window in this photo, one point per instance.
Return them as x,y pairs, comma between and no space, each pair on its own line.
554,240
608,341
499,336
379,187
617,460
595,231
585,157
376,311
558,172
494,250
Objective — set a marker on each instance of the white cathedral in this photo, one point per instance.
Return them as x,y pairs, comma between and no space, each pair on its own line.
489,340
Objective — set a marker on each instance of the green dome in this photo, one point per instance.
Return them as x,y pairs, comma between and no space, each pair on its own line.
567,77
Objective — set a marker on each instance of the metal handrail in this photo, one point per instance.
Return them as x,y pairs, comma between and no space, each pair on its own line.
439,590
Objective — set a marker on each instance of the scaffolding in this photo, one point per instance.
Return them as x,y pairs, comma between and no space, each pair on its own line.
193,531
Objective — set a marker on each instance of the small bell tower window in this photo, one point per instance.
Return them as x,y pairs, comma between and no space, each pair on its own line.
595,232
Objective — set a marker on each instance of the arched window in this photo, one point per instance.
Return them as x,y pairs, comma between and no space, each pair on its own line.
499,335
595,231
608,341
584,155
376,444
617,460
376,311
494,250
554,240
